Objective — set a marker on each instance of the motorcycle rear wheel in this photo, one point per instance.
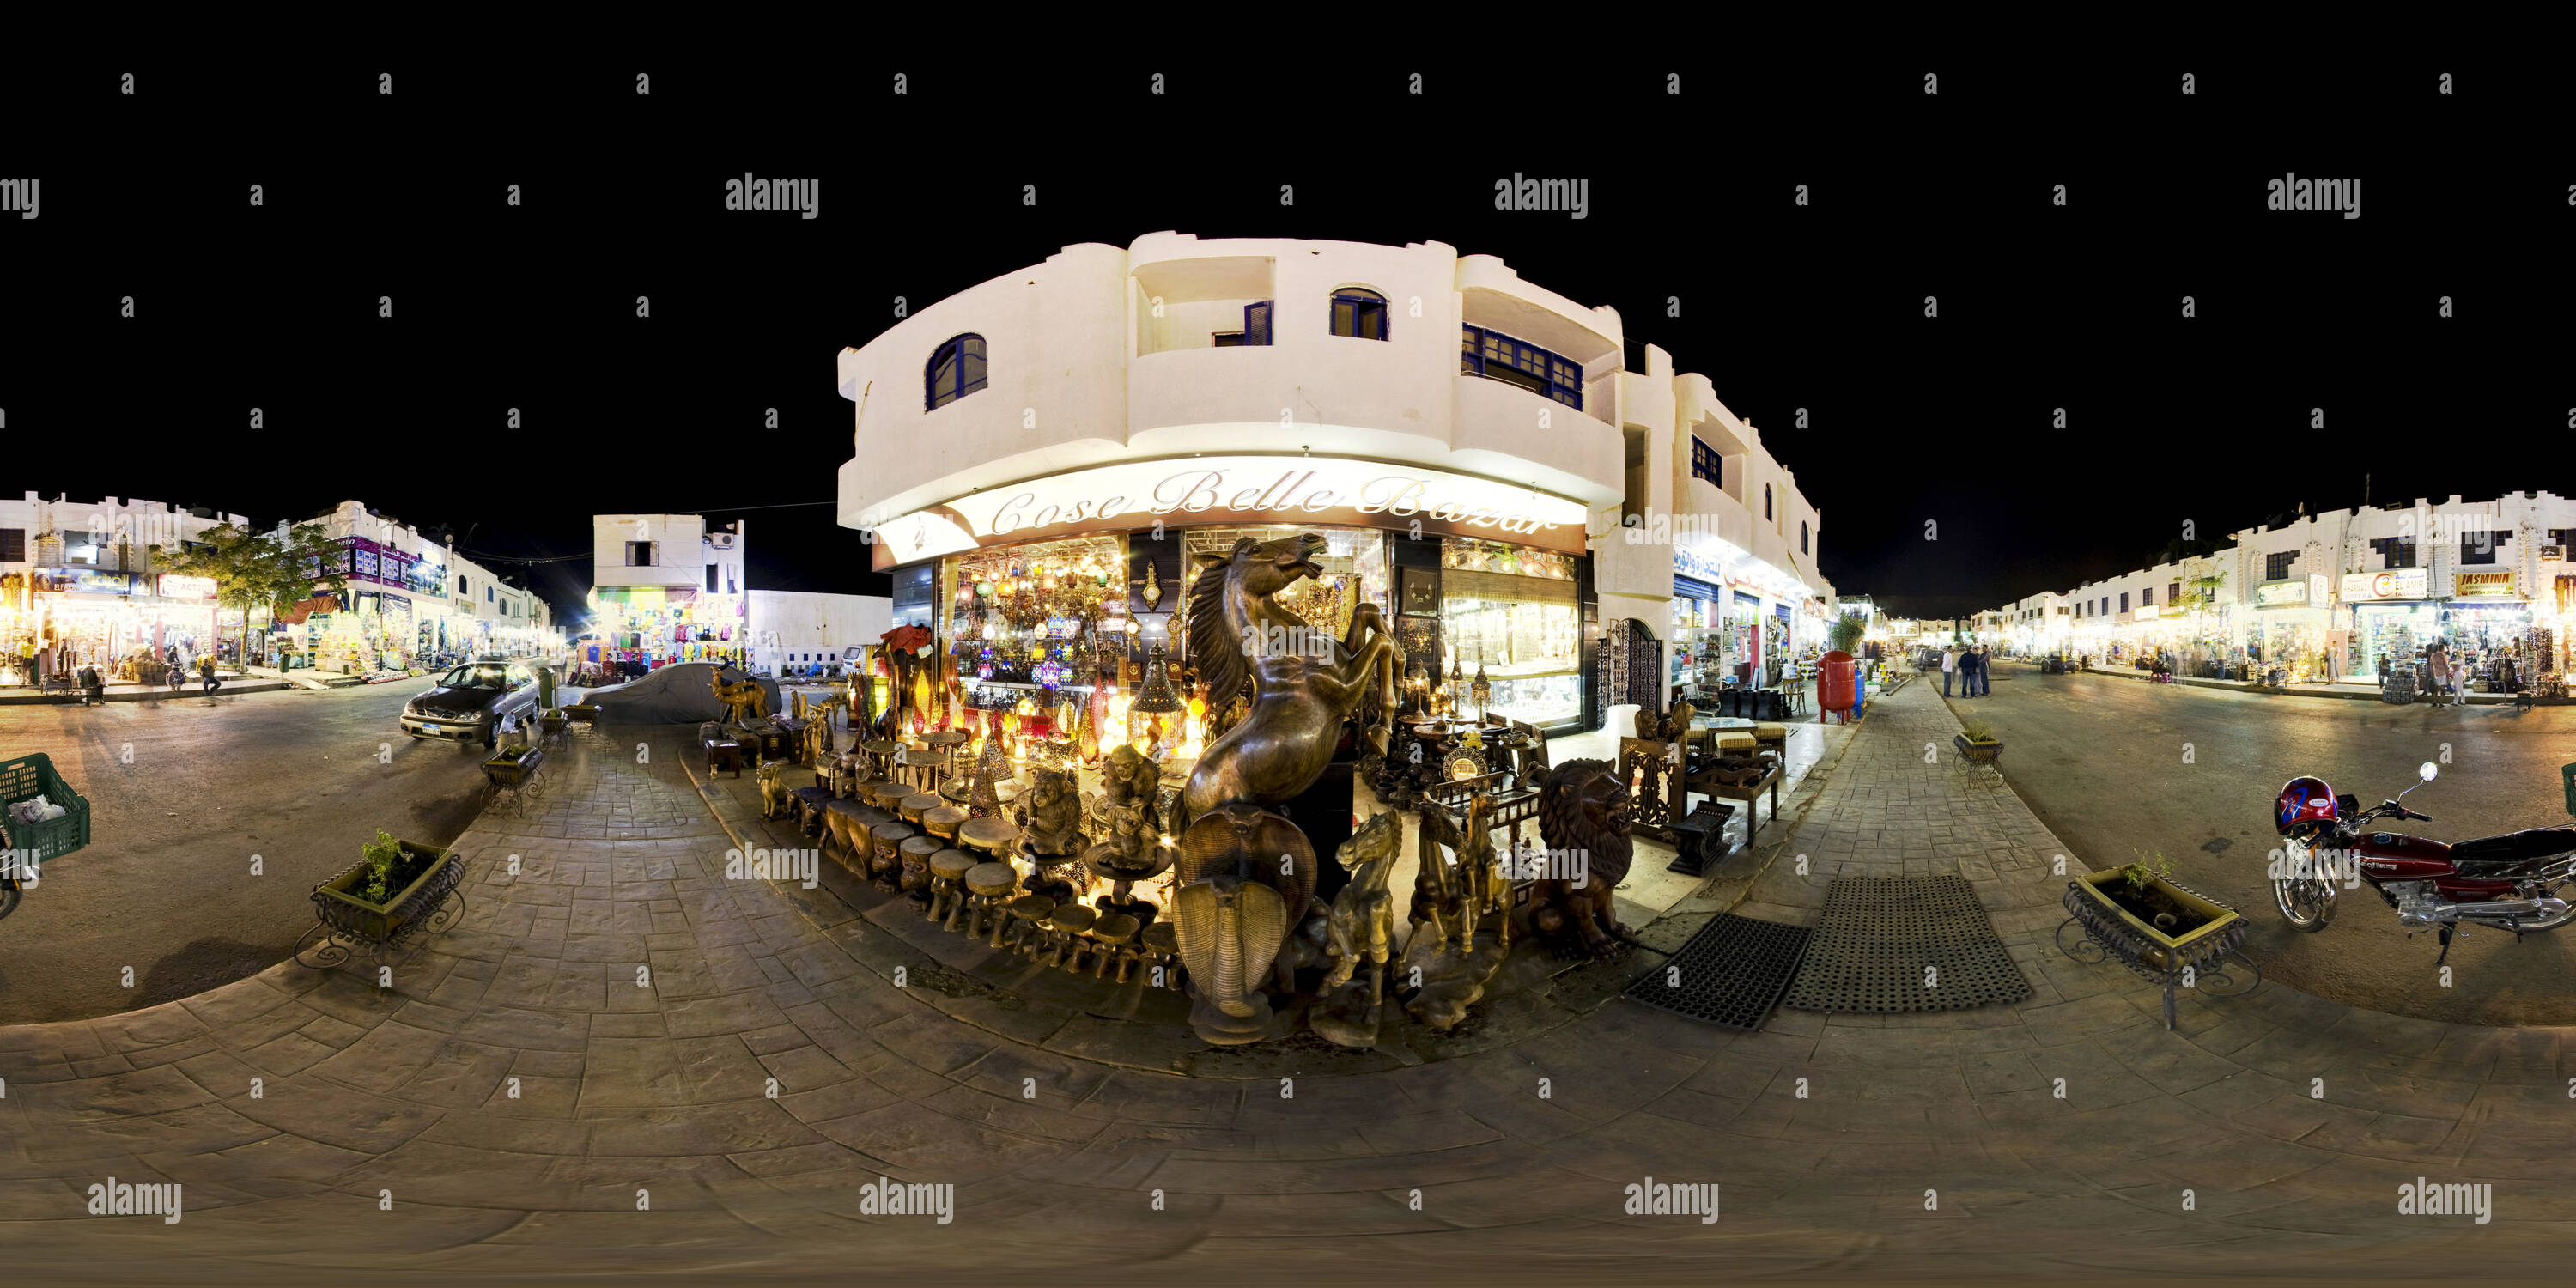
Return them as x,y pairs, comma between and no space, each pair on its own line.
8,896
2307,903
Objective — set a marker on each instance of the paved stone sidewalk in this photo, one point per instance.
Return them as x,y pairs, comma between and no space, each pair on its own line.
515,1087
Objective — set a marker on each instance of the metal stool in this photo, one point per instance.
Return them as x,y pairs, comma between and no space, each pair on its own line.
1065,927
1028,914
943,821
948,870
1115,937
916,852
986,885
886,852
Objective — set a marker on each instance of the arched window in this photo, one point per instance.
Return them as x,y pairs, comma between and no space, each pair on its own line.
1359,313
956,370
1802,538
1766,503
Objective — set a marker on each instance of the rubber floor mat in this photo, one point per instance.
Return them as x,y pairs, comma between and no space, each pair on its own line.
1891,944
1729,974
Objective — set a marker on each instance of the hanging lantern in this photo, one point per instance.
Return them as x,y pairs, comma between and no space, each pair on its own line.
1481,692
1155,702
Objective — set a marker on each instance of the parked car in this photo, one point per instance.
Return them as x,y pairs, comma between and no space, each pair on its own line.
470,701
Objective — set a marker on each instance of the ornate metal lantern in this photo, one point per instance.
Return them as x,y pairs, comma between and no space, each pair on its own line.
1155,701
1481,692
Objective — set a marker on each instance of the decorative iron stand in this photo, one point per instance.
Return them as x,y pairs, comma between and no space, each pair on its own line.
343,932
2203,964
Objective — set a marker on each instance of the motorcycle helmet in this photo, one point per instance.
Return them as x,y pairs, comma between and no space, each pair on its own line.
2304,799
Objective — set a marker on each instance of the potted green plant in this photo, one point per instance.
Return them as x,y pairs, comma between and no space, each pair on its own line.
553,720
1976,740
2174,924
375,900
511,766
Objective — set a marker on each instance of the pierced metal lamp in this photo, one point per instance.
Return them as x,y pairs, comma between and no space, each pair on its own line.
1155,700
1481,692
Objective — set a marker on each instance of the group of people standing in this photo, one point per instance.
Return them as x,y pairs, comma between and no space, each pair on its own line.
1969,665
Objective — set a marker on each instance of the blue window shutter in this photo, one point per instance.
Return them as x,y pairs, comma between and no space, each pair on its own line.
1256,323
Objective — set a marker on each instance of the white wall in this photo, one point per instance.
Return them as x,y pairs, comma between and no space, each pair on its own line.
784,625
681,549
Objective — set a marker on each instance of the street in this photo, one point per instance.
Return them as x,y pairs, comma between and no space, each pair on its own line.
183,792
2123,769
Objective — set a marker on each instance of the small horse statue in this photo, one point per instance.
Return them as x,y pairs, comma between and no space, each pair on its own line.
1362,927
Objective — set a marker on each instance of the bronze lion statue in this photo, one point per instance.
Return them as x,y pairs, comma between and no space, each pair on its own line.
1583,810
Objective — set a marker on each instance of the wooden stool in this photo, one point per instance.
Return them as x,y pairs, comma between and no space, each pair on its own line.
1159,948
886,852
880,756
1115,933
986,885
1723,741
888,795
1775,734
918,766
1028,914
1065,927
916,852
914,806
943,821
948,885
988,836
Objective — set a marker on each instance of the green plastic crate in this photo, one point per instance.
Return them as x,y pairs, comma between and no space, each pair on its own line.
25,777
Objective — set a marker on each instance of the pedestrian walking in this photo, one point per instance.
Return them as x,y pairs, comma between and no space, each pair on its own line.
1949,668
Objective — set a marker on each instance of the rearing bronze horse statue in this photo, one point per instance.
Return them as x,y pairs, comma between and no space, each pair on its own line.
1304,682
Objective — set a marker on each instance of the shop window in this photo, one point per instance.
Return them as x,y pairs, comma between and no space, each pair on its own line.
2480,547
956,369
639,554
1359,314
1496,356
2277,565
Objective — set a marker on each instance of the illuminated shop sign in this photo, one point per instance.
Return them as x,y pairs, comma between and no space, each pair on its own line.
1236,489
85,581
2144,613
2396,583
175,586
2471,585
2280,594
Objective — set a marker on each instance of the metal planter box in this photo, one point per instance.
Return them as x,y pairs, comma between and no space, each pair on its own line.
1981,753
380,923
2194,959
514,773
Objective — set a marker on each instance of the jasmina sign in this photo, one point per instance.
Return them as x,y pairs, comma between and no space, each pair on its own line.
1236,489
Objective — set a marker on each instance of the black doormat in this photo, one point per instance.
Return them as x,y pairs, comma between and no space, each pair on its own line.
1891,944
1730,974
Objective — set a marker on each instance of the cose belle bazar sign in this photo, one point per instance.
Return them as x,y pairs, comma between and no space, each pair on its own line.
1235,489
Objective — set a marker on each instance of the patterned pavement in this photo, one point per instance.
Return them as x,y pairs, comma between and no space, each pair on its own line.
496,1110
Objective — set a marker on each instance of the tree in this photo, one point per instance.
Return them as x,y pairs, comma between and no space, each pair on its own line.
261,570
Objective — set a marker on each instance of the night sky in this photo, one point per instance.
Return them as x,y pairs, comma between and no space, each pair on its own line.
1910,420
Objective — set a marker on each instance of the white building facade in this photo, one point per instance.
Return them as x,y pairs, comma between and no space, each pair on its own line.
2345,593
665,588
87,578
795,631
1522,490
405,601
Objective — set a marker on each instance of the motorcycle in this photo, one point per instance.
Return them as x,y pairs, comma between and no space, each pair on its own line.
2510,882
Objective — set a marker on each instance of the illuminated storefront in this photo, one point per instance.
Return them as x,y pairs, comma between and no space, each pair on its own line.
1029,625
657,625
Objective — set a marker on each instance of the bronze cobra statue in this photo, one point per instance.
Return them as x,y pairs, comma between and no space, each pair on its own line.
1248,875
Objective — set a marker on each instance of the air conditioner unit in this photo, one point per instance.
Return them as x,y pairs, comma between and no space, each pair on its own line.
721,540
